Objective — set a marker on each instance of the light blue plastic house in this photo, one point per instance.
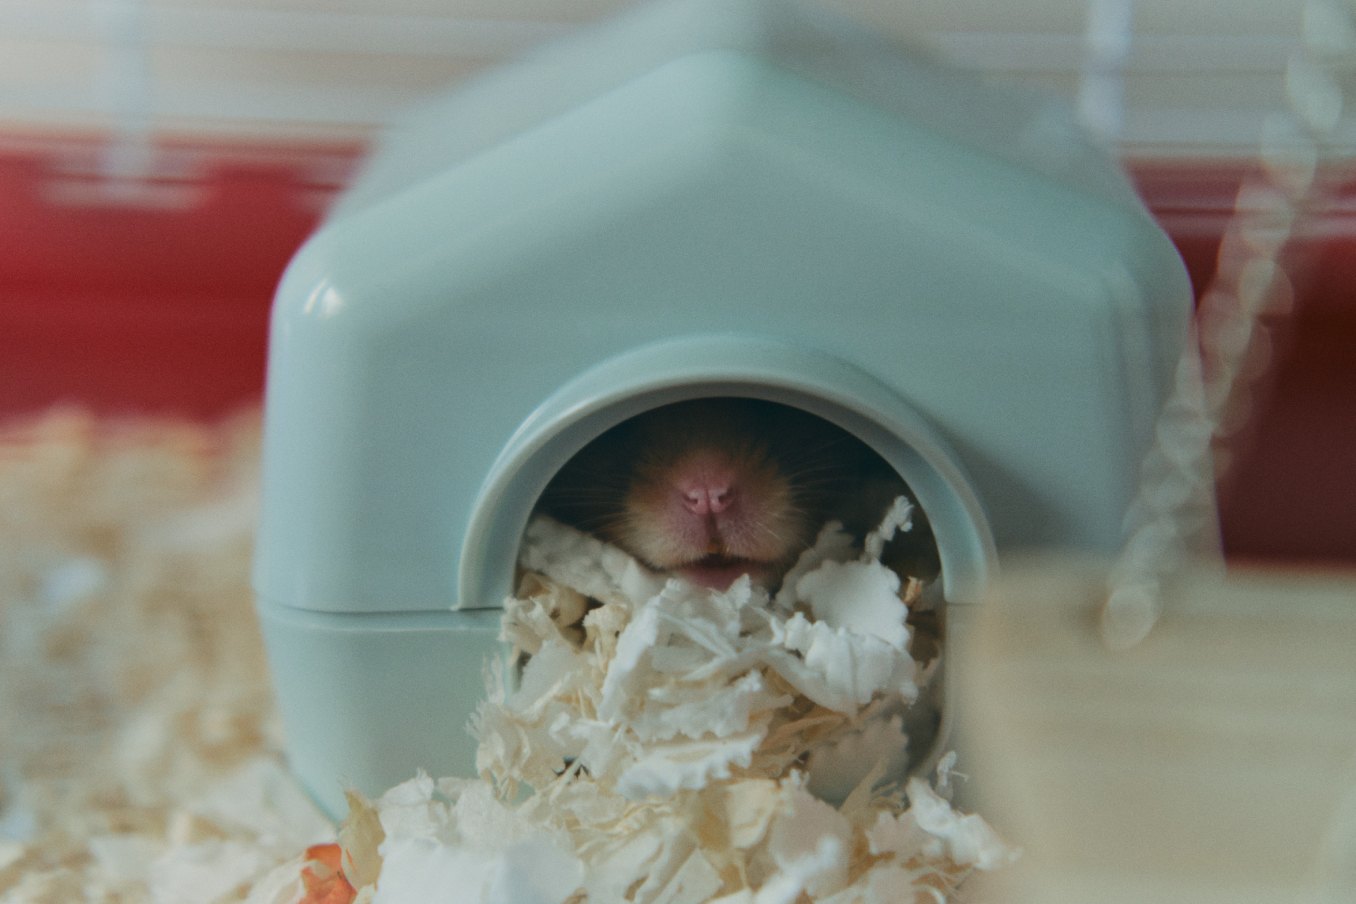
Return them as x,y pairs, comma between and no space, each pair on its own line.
709,198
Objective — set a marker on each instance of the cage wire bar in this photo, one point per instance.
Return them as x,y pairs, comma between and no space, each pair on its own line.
126,85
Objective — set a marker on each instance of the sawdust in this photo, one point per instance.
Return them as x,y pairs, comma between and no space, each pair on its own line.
133,686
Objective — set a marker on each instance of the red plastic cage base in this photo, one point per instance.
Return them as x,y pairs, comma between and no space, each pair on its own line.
157,303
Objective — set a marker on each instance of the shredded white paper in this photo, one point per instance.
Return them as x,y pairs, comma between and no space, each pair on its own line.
671,744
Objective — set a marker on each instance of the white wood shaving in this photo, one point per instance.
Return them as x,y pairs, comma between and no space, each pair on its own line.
139,740
664,745
670,744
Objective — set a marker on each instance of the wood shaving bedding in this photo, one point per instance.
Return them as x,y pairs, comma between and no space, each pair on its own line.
139,742
142,755
670,744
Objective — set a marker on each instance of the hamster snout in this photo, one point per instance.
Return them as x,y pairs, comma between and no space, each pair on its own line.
711,511
711,489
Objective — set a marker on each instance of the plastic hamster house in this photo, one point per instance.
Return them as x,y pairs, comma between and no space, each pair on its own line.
700,199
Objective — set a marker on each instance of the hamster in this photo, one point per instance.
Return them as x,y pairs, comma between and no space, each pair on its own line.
711,489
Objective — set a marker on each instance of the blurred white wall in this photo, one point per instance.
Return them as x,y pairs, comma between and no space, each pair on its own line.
1176,76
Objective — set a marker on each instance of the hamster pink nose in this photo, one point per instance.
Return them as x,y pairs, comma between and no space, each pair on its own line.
708,499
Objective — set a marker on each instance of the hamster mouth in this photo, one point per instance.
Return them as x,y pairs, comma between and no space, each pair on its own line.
718,572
